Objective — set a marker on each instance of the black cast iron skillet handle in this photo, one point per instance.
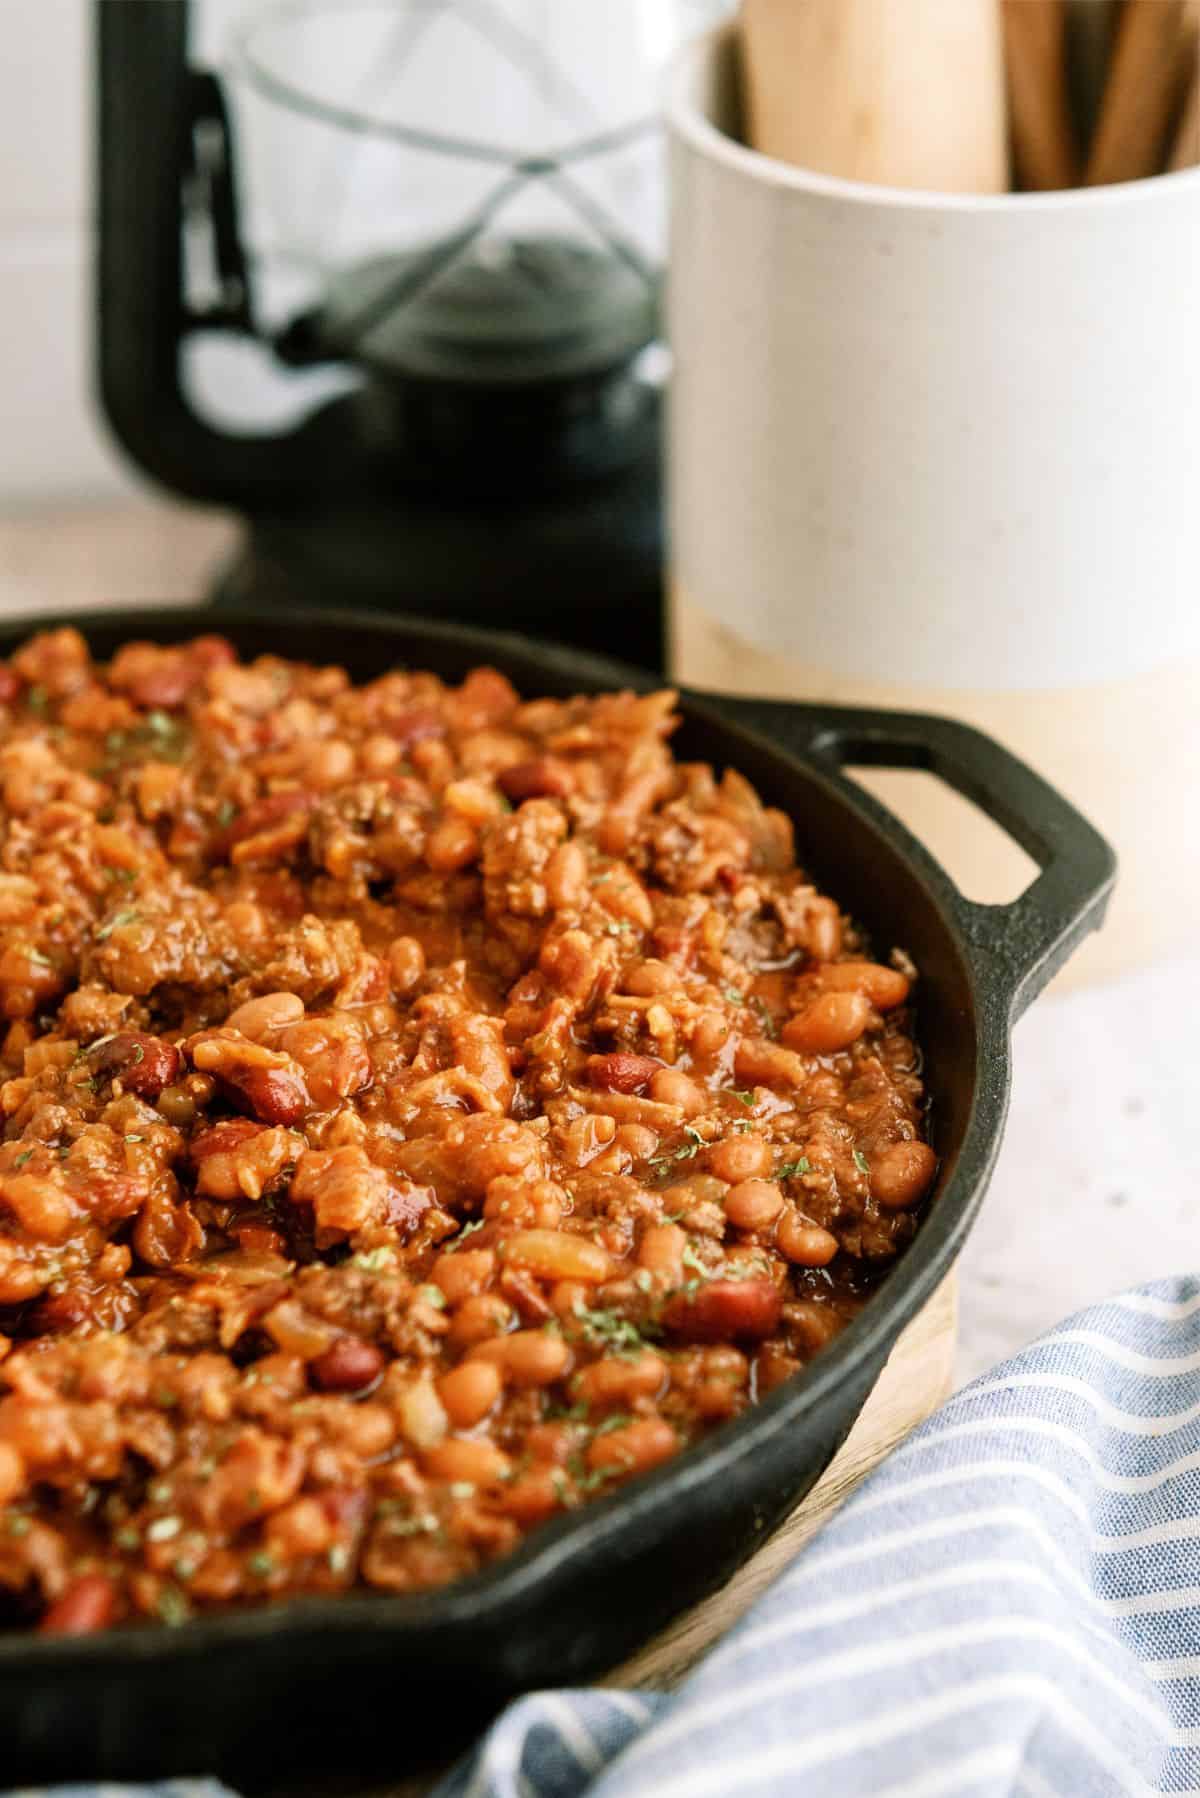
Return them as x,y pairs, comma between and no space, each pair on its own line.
1023,943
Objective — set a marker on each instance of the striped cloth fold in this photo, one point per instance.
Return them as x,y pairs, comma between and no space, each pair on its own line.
1010,1605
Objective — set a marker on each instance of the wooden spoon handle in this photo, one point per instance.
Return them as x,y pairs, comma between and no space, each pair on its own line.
909,95
1043,136
1150,62
1185,151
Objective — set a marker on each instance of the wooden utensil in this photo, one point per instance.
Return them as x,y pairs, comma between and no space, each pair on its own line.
1185,151
907,95
1152,57
1091,27
1043,133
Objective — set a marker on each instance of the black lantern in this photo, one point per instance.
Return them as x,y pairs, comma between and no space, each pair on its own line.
425,236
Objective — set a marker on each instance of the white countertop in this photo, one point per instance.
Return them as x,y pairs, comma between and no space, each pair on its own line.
1098,1184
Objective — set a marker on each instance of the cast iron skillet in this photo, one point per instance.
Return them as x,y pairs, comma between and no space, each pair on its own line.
380,1681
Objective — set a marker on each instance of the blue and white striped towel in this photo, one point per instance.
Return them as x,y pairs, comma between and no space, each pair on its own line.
1011,1604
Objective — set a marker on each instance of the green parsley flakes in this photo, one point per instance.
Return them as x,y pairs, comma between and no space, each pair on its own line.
116,922
791,1170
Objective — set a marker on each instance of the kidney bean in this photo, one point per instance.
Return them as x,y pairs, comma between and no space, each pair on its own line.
348,1365
143,1063
84,1608
164,685
164,678
222,1138
345,1506
900,1174
274,1095
56,1312
414,726
542,777
620,1073
260,814
724,1308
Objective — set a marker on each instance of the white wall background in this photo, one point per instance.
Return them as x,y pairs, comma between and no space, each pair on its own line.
51,443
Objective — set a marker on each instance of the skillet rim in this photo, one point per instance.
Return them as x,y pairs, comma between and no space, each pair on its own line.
533,1568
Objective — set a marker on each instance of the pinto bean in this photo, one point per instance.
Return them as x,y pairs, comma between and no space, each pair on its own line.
613,1381
828,1023
661,1252
639,1446
724,1308
621,1073
533,1496
460,1458
670,1087
753,1204
257,1018
143,1063
41,1206
12,1472
462,1273
884,987
347,1365
900,1175
453,844
86,1607
566,876
406,964
526,1357
469,1391
558,1255
804,1242
475,1319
